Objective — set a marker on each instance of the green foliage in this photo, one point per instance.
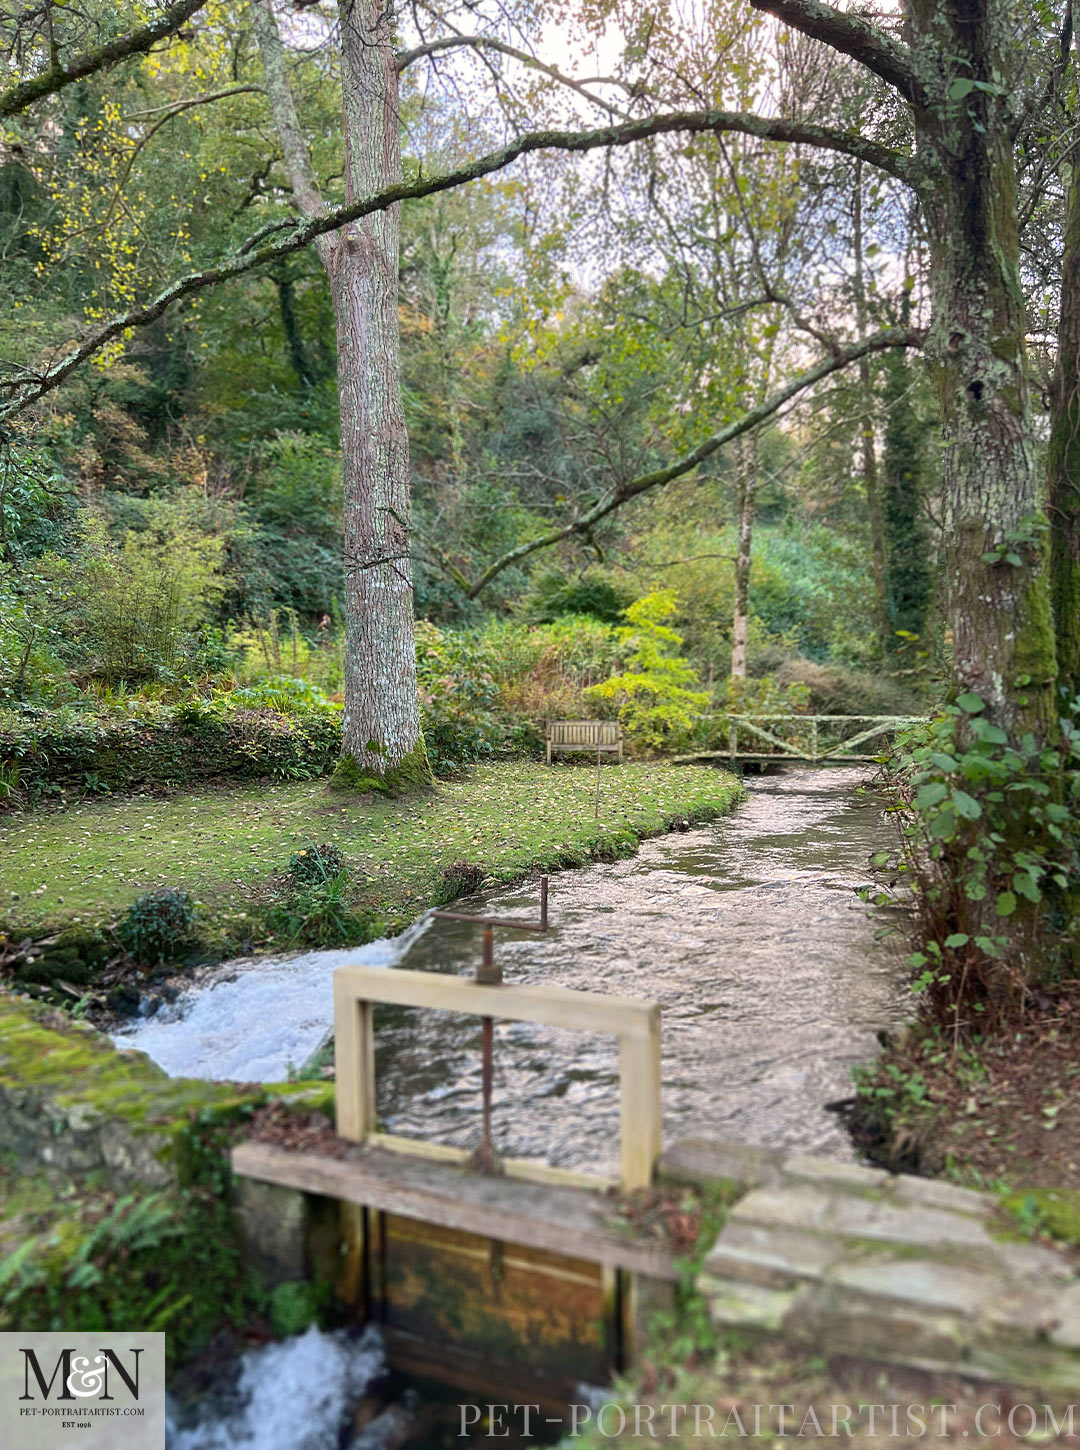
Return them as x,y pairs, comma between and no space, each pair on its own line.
990,831
294,1307
653,697
158,924
79,751
299,486
458,698
909,563
314,864
320,910
284,694
553,595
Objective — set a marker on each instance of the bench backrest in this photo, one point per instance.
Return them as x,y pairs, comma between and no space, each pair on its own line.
584,732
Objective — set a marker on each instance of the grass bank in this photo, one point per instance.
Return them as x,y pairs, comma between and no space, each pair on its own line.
70,874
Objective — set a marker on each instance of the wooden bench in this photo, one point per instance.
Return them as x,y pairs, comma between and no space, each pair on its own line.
589,735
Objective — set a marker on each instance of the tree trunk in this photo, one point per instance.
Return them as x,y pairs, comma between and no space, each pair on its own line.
294,340
866,428
381,726
382,718
909,550
998,611
1063,458
747,489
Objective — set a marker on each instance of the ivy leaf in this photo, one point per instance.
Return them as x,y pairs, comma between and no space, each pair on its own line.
943,761
1027,886
957,939
1005,904
931,794
971,703
962,86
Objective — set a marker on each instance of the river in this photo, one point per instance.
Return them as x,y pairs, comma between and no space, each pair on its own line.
773,980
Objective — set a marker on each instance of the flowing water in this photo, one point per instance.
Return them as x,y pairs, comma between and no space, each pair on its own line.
748,933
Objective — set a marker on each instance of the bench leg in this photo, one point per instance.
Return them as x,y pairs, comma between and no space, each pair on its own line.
549,753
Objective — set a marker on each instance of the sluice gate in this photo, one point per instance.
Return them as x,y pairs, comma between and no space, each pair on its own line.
479,1270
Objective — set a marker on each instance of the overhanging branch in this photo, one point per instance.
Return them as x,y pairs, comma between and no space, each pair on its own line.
23,392
853,36
136,42
878,342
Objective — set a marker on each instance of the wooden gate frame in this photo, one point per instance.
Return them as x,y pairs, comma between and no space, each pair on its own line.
359,989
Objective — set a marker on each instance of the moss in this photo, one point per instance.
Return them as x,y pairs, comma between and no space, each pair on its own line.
1036,650
1054,1212
92,1257
411,773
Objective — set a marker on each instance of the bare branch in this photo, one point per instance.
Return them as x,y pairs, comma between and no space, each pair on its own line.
751,419
853,36
21,393
60,74
490,42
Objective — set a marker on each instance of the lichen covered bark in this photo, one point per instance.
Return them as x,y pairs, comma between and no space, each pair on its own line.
382,721
381,738
1003,648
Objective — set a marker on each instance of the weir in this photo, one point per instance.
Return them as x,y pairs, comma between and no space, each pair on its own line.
477,1268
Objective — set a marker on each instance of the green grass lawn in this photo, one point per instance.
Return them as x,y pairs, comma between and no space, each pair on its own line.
84,864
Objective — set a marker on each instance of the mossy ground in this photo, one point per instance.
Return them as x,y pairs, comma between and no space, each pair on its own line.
83,865
81,1250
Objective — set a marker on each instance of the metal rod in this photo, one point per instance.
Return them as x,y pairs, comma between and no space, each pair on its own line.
490,920
543,902
487,1147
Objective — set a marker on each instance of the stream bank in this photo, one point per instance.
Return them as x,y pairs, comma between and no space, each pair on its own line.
770,972
70,875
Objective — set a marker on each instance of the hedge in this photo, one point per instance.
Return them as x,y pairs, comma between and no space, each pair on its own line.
78,752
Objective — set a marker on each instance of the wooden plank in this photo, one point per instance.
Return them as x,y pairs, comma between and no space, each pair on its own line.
521,1168
354,1060
639,1101
566,1221
512,1002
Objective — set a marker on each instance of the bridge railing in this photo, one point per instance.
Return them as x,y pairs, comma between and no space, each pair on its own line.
801,737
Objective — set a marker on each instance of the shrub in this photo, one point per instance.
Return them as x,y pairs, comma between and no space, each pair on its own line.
158,925
282,693
542,671
655,703
458,698
833,689
314,863
320,911
151,744
554,595
460,878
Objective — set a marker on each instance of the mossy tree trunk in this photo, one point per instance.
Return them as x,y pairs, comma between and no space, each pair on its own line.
1063,459
382,741
909,550
998,611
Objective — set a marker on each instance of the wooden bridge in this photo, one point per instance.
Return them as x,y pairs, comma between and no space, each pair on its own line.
806,738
